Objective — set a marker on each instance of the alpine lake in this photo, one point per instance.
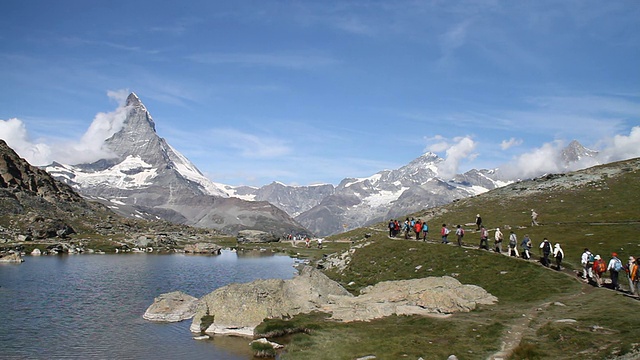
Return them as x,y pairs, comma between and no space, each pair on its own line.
91,306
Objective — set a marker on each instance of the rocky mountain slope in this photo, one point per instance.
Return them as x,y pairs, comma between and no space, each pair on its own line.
148,178
36,208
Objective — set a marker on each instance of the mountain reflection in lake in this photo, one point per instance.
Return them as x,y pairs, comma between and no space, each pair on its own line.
91,306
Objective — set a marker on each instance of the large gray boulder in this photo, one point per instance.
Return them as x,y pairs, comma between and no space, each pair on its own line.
237,309
427,296
171,307
203,248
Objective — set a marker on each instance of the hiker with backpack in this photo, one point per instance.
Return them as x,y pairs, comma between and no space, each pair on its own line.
459,234
599,267
614,268
558,254
425,230
484,238
478,222
587,260
513,244
526,247
631,268
497,241
444,232
545,248
417,228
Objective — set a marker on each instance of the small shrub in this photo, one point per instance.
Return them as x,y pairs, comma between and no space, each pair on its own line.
525,351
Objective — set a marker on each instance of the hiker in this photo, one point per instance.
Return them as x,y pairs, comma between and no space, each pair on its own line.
405,228
534,218
635,276
484,238
459,234
630,269
320,243
599,267
614,267
307,241
478,222
444,232
417,228
513,244
526,247
559,255
545,247
497,242
391,227
396,227
587,260
425,230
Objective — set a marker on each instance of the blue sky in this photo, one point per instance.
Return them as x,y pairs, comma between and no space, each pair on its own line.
308,92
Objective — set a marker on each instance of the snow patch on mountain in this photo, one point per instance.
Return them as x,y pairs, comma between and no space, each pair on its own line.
189,171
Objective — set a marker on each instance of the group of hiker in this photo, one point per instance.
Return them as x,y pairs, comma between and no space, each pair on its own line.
594,267
410,228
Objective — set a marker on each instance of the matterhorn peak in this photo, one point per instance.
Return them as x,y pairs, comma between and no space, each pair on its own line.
133,100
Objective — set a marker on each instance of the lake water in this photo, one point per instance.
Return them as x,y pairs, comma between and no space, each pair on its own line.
91,306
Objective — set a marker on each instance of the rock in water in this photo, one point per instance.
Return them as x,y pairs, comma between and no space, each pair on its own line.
172,307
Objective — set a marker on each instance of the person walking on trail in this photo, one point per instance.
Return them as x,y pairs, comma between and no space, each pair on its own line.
417,228
631,268
425,230
587,260
513,244
534,218
635,277
444,232
484,238
497,241
599,268
526,247
545,247
558,254
459,234
392,225
405,228
614,268
478,222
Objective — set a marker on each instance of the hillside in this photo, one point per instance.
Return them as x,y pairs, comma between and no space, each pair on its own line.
541,314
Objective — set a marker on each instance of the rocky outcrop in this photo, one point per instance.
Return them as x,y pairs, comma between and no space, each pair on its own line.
11,257
238,308
202,248
426,296
256,236
171,307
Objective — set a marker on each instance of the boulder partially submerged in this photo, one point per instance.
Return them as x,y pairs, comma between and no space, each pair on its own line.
172,307
237,309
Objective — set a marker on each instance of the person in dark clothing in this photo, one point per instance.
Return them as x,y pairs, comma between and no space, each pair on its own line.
478,222
545,247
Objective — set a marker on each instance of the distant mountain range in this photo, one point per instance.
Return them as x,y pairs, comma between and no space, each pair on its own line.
148,178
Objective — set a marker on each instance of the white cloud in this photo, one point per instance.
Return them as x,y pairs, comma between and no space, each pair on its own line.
456,150
506,144
548,158
621,147
86,150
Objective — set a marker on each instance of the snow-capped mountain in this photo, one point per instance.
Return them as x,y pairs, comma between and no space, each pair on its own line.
146,177
388,194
